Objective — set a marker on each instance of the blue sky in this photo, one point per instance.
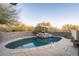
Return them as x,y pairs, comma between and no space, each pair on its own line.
57,14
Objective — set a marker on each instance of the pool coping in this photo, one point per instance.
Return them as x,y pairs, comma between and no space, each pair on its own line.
6,51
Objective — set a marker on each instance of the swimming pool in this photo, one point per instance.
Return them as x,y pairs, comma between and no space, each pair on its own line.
32,42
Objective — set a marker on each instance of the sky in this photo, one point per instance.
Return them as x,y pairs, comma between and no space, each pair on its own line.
58,14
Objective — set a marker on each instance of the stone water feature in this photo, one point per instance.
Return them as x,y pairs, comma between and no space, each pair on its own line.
44,35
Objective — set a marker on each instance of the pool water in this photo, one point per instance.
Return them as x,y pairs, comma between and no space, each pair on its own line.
32,42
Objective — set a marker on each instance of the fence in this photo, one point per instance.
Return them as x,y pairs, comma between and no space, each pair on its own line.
6,36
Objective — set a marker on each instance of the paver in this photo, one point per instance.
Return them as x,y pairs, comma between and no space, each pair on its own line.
62,48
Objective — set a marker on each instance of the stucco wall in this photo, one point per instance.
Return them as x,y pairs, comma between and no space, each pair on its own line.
63,34
74,34
1,37
78,35
6,36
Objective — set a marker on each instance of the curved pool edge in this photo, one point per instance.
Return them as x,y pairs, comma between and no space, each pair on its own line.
8,52
5,50
33,41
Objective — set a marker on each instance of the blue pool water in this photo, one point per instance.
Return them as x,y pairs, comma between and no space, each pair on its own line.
32,42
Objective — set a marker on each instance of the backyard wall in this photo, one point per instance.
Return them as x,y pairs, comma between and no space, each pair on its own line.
75,34
63,34
6,36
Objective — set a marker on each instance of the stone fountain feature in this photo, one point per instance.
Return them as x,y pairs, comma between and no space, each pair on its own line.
44,35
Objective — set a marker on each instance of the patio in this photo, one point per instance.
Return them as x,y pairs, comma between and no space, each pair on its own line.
62,48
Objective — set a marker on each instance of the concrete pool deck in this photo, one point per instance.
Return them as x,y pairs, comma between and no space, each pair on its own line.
62,48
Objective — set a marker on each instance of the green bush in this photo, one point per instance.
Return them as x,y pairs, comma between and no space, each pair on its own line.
40,28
